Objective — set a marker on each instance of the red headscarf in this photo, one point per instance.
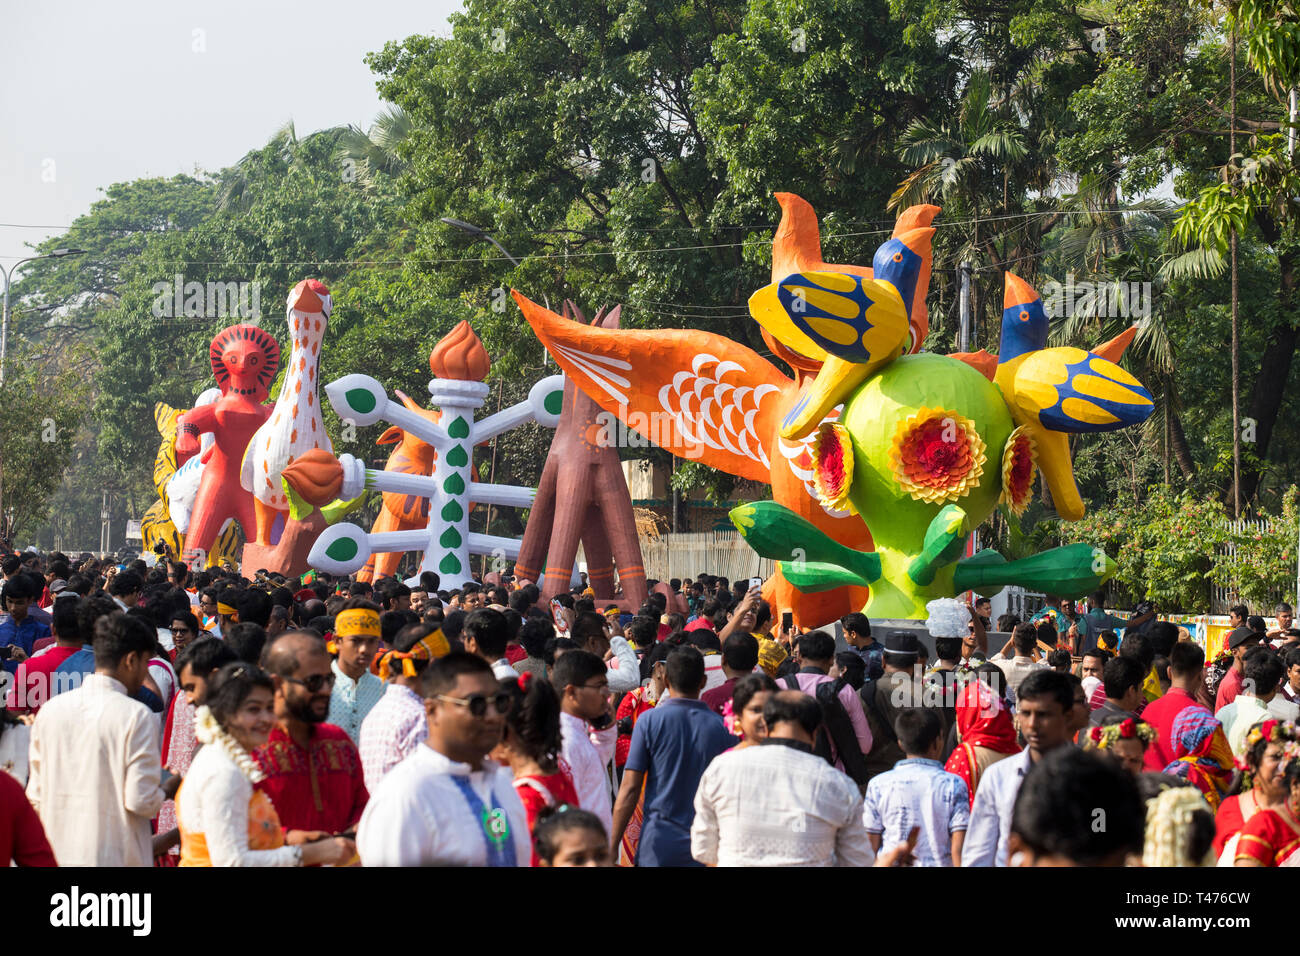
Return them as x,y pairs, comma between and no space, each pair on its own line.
982,721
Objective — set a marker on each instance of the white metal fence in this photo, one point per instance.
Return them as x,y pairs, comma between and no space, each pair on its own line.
687,554
1223,596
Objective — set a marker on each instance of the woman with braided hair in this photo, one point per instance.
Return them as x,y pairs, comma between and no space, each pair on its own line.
1180,823
223,820
530,746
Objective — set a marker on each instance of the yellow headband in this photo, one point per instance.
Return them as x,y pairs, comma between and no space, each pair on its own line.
432,647
358,620
226,610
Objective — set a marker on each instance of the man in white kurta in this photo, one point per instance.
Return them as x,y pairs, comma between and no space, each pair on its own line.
95,757
447,804
777,803
588,733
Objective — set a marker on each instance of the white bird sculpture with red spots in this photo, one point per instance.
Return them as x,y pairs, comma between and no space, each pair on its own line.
294,425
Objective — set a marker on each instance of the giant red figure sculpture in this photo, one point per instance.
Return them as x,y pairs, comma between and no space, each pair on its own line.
244,360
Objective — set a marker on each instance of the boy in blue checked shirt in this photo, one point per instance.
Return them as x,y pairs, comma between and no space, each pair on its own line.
918,792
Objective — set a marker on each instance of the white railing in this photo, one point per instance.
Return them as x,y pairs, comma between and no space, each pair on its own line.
687,554
1224,596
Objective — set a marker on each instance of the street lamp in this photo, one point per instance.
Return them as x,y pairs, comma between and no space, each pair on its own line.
8,274
473,230
477,233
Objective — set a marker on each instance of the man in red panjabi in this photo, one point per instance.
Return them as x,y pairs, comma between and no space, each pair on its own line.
313,770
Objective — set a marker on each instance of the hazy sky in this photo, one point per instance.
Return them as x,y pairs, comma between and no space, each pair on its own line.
94,92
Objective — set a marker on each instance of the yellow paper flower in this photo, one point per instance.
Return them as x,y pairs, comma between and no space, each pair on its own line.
1019,458
833,475
937,455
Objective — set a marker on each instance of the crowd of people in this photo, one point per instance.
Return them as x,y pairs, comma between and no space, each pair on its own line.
161,716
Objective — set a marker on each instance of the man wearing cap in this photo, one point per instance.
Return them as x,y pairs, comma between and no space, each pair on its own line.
883,699
356,690
1241,640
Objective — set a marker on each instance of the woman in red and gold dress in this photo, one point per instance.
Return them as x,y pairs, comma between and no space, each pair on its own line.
1271,837
636,703
1263,787
531,745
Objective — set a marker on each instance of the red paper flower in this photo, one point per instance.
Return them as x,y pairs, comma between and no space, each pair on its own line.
1019,458
937,455
833,475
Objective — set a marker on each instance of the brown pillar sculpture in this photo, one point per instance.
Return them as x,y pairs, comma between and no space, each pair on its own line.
583,496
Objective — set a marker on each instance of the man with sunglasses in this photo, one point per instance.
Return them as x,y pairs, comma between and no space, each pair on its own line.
447,804
313,771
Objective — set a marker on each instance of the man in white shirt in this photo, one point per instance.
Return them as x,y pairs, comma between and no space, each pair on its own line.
1258,701
592,633
1043,712
447,804
486,633
777,803
1025,640
95,775
587,729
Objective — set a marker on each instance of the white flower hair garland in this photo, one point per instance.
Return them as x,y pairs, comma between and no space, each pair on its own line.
208,732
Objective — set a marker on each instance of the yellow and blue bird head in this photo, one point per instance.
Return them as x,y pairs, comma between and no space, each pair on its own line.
1056,392
853,324
1024,320
900,265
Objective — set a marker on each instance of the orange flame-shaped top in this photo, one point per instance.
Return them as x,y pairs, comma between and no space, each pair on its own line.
460,356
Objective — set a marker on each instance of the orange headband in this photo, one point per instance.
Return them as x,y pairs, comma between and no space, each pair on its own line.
385,664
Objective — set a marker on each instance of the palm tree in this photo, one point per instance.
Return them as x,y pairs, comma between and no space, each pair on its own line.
376,151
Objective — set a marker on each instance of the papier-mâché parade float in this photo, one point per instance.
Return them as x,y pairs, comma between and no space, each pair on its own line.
928,445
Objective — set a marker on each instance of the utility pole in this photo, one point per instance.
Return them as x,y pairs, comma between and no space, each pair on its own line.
1236,330
964,309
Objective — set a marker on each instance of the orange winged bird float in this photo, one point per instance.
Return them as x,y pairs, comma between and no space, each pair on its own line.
705,397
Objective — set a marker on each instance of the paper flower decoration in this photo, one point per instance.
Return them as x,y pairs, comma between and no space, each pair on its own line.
937,455
1019,458
1103,738
833,475
948,618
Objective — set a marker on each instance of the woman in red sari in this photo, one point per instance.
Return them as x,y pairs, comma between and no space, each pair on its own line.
1271,837
530,747
1263,785
985,734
